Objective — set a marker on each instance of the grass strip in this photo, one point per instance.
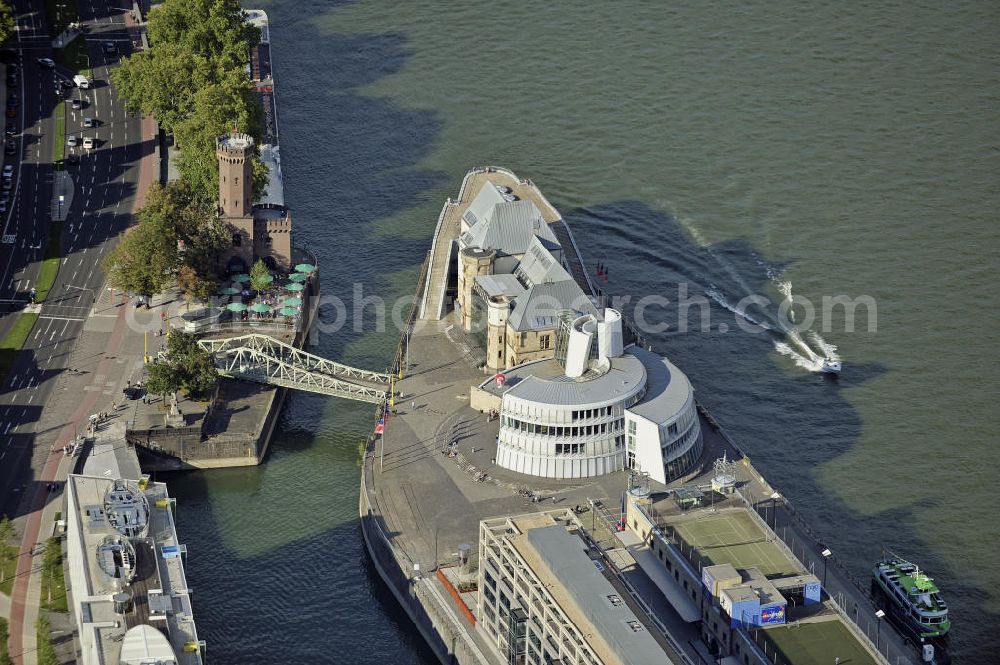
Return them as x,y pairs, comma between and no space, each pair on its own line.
59,14
59,151
4,655
46,653
49,268
74,56
8,566
53,581
12,342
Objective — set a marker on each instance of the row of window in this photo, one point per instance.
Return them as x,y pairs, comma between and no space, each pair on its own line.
561,430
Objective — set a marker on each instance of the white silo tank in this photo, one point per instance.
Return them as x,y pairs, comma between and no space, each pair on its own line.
581,337
609,335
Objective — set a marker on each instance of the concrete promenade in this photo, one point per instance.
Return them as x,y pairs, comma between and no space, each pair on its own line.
105,357
425,502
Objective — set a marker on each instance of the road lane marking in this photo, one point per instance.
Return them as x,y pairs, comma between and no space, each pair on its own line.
60,318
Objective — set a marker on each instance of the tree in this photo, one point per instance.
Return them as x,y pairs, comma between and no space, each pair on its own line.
162,81
214,29
259,276
144,261
162,379
193,285
215,109
206,246
187,367
6,21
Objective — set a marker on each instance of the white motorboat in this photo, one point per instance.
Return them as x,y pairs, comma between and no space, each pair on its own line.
830,366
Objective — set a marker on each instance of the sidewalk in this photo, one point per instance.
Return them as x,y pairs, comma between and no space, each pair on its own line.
106,355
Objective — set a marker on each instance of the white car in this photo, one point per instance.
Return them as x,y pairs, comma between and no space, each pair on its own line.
48,63
81,81
88,143
71,141
8,170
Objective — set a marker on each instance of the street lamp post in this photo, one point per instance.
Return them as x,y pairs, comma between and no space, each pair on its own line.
774,509
826,555
878,633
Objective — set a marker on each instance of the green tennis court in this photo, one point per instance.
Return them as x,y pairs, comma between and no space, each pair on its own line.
818,643
733,538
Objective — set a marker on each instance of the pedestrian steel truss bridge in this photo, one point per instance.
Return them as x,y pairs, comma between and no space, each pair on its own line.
264,359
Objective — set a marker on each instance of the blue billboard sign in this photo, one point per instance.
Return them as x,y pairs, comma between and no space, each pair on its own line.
773,614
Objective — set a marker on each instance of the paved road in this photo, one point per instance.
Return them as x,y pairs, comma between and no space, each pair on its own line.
104,188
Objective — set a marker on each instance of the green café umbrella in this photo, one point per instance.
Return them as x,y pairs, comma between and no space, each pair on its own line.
292,301
298,277
229,291
305,267
242,278
236,307
260,308
294,286
288,311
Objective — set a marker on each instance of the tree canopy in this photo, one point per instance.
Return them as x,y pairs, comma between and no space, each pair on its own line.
259,276
147,259
6,21
187,367
194,80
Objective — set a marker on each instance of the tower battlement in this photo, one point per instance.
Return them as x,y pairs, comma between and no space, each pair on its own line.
234,146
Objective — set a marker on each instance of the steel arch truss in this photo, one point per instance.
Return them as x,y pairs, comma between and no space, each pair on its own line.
264,359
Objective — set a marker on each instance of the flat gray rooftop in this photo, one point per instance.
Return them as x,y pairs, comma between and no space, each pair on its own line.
567,563
667,388
544,381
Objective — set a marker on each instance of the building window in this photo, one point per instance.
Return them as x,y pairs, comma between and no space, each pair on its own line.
631,427
236,180
545,341
672,429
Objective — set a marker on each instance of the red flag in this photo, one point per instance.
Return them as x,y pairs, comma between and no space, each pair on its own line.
380,427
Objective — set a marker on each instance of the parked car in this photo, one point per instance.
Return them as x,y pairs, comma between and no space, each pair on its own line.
73,159
88,142
3,207
11,111
10,148
11,129
12,101
48,63
8,183
71,140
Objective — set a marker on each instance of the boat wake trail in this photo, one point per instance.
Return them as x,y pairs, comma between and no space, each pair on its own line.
715,294
808,355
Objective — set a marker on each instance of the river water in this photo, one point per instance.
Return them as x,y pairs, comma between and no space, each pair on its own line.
817,149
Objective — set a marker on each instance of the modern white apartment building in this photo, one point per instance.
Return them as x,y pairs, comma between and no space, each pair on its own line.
542,599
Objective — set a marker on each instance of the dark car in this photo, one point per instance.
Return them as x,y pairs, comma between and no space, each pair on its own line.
12,101
73,159
110,48
11,148
11,112
77,104
11,129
